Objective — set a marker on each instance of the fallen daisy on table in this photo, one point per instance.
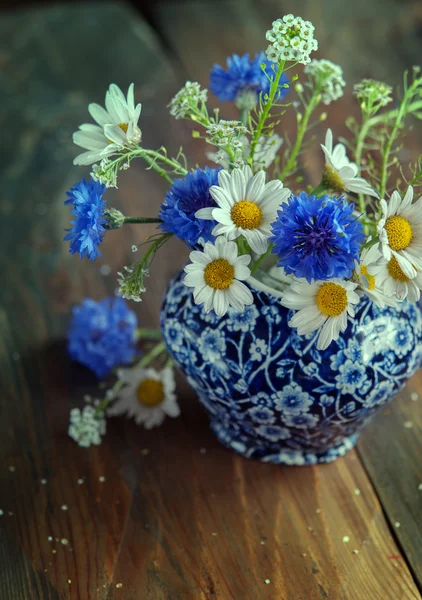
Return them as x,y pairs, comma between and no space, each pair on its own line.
148,396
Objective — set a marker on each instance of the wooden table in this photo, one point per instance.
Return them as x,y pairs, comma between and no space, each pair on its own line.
178,516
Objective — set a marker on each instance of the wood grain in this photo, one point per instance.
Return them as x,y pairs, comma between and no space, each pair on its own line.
178,516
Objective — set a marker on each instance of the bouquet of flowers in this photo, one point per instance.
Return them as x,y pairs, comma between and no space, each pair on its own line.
324,244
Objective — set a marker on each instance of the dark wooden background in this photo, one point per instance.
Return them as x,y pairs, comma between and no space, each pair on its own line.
178,516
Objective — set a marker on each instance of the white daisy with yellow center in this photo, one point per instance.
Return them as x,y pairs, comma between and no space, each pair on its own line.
246,206
400,232
323,306
369,270
340,174
148,396
396,283
117,127
216,273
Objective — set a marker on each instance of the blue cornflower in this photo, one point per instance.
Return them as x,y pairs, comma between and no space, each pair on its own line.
243,74
183,200
102,335
88,227
317,238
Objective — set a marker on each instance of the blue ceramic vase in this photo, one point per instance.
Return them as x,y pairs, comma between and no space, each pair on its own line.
270,394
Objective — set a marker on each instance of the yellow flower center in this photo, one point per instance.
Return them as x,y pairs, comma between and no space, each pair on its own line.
331,299
395,270
332,180
219,274
123,126
150,392
246,214
399,232
369,277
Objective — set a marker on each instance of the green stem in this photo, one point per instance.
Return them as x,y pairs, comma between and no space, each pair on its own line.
402,110
244,116
291,163
318,190
148,334
267,108
142,220
178,168
148,358
259,260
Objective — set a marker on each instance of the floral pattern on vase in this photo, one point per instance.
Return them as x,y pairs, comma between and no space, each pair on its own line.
270,394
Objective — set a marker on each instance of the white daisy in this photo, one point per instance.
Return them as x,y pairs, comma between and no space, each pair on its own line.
369,270
323,305
340,173
117,126
216,275
400,231
147,396
246,206
396,283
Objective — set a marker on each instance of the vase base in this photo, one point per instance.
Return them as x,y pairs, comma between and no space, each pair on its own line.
284,456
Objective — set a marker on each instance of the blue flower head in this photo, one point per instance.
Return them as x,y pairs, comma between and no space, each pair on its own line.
88,227
243,74
183,200
317,238
102,335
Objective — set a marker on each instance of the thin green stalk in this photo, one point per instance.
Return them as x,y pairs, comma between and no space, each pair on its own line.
402,110
291,163
148,358
142,220
148,334
244,116
259,260
267,108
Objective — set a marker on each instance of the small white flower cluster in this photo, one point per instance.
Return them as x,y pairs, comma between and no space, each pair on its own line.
85,427
291,38
228,134
371,92
328,77
131,283
187,99
104,174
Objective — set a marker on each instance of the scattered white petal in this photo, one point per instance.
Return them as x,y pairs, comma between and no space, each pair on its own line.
64,507
408,424
346,539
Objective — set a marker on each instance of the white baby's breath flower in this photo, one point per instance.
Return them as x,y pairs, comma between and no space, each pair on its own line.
340,173
372,93
216,273
323,306
117,127
246,206
104,173
187,99
370,269
148,396
292,39
400,231
86,427
328,77
265,152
